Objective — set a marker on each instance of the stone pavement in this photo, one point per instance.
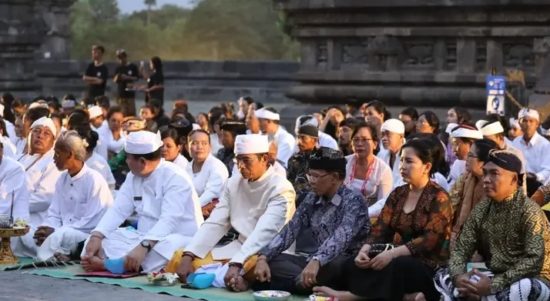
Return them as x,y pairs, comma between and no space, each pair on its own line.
18,286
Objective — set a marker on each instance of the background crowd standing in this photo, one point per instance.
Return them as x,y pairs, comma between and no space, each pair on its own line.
352,202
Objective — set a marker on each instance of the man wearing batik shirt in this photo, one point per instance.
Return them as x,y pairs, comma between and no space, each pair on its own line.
510,232
338,218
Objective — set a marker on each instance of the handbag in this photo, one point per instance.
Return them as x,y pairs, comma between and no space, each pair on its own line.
376,249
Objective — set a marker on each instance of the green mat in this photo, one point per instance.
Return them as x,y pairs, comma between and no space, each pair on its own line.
210,294
22,261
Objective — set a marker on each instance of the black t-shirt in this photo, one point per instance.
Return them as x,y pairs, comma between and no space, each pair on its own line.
129,70
99,72
155,79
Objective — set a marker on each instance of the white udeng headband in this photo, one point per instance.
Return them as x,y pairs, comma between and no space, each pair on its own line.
266,114
466,133
492,129
545,132
531,113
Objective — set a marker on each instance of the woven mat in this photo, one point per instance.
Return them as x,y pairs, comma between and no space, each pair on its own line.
210,294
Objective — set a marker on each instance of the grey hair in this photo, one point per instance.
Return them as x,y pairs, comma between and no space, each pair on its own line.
74,143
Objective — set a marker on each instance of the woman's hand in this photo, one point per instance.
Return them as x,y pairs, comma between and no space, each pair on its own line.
381,260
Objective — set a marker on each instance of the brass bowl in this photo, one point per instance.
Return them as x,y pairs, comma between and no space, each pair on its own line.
15,231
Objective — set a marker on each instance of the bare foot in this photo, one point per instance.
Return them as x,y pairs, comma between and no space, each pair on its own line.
340,295
93,264
239,285
62,257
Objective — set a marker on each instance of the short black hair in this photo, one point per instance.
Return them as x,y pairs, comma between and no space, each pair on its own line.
410,111
36,113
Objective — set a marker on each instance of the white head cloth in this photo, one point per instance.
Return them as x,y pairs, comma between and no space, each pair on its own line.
47,122
545,132
489,129
142,142
466,132
251,144
528,113
39,103
514,123
393,125
95,111
450,127
266,114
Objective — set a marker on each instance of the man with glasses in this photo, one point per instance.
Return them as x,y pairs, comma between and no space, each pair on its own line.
256,202
338,219
41,176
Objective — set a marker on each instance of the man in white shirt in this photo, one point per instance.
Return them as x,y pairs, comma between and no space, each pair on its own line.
393,137
82,196
41,176
462,138
324,140
535,148
14,196
99,124
168,212
493,130
256,202
269,124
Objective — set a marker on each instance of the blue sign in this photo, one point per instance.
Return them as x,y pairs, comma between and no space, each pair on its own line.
496,93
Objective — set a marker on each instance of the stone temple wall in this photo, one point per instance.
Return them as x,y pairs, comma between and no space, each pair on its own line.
414,52
266,81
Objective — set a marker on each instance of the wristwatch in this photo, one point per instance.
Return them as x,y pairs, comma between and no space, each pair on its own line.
146,244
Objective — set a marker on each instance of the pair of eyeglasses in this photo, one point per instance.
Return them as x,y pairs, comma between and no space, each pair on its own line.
313,178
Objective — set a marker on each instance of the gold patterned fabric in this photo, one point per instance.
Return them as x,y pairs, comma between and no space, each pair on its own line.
513,236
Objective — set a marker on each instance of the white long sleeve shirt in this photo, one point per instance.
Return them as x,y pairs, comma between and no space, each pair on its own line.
285,144
537,155
99,164
80,201
165,203
378,186
256,210
12,187
104,134
209,182
181,161
457,169
385,156
41,176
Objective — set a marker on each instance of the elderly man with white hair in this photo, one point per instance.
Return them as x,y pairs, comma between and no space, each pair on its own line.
256,202
167,207
535,148
393,137
269,125
41,176
82,196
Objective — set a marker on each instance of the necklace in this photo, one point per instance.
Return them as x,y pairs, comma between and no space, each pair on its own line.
370,169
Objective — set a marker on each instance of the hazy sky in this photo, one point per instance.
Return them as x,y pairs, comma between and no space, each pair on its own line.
128,6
